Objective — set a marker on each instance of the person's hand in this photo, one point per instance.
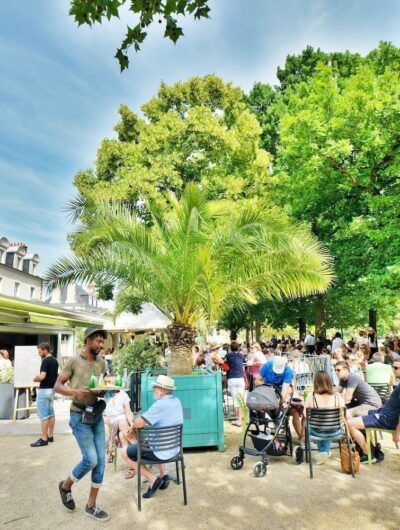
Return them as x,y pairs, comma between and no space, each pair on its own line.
396,436
81,393
36,379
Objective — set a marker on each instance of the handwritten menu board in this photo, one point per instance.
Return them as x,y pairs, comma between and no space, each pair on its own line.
26,365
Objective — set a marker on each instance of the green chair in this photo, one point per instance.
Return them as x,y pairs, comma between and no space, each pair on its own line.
245,412
373,431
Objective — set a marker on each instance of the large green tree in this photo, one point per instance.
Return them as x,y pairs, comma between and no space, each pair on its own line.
328,204
196,260
198,131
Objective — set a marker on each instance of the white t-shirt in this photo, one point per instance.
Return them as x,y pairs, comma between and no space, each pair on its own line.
115,407
309,340
336,343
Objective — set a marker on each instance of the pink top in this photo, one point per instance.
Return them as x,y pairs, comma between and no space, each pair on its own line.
254,363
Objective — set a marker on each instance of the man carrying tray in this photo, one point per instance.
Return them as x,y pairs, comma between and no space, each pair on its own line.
86,420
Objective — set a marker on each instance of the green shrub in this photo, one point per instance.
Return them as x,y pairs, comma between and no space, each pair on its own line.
7,375
137,355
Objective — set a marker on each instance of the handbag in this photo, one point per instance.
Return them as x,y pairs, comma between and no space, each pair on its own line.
344,453
225,366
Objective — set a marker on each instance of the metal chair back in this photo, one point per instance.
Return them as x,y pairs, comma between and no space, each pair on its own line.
325,420
383,390
158,439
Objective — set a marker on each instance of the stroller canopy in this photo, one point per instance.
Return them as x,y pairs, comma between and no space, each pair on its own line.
263,398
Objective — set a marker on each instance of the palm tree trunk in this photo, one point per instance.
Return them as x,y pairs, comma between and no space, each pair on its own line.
320,324
181,341
258,330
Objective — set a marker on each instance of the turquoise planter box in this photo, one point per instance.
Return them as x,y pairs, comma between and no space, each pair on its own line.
201,398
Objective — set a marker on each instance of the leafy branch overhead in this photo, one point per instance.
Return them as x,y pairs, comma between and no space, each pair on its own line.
162,11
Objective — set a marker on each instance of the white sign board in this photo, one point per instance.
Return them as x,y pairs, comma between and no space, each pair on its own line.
26,365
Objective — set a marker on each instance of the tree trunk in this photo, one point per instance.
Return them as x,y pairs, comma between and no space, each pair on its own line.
372,318
302,328
320,324
258,330
247,335
181,341
233,334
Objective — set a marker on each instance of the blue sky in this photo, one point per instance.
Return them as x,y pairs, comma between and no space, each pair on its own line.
60,87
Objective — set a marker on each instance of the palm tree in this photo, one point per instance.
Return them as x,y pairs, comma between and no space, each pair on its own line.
195,261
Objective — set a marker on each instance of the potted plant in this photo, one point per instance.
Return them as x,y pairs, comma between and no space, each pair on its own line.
6,393
194,261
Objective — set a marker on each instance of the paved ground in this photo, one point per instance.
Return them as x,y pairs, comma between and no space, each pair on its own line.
219,497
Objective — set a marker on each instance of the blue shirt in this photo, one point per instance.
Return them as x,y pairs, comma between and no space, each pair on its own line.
165,412
271,378
235,361
390,411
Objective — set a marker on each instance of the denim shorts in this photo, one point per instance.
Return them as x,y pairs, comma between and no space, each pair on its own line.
45,403
375,419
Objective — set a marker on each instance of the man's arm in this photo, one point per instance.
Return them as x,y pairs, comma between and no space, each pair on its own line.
286,392
348,395
40,377
60,388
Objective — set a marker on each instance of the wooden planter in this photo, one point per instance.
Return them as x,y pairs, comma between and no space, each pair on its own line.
201,398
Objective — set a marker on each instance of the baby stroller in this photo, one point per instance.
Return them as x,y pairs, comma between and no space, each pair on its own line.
268,429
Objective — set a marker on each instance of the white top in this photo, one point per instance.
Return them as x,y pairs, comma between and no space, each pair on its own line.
309,340
115,407
4,363
336,343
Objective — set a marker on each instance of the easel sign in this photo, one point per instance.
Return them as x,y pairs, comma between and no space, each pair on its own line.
26,365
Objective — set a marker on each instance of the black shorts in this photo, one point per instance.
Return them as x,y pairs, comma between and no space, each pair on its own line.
374,419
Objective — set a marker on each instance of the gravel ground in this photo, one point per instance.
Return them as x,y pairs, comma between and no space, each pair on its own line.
219,497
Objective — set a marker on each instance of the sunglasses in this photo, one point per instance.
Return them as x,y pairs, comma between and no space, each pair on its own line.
338,370
396,367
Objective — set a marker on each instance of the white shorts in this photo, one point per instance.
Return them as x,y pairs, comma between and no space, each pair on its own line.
236,386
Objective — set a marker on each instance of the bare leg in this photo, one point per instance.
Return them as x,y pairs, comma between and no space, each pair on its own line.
238,412
356,425
67,484
297,423
52,422
123,430
45,428
144,470
92,496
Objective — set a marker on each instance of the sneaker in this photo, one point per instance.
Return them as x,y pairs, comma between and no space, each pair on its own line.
166,479
364,459
50,439
40,443
321,458
152,489
97,513
66,498
378,453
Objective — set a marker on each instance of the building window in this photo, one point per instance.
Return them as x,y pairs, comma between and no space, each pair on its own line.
16,288
32,292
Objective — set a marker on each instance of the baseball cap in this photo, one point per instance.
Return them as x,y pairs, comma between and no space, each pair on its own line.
278,365
92,330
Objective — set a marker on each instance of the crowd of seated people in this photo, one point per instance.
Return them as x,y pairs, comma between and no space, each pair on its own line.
354,368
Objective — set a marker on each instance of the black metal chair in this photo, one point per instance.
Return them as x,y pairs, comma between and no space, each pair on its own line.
326,421
382,389
157,439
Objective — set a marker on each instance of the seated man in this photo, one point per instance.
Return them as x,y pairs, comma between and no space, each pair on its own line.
358,395
165,412
277,373
385,418
378,372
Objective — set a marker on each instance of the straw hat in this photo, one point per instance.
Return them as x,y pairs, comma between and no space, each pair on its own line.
165,382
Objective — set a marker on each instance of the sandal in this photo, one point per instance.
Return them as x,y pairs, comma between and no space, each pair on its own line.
130,474
110,459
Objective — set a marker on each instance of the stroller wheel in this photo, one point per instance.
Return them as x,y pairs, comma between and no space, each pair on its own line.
237,462
298,454
260,469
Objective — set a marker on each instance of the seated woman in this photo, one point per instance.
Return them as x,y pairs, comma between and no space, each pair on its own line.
119,418
323,397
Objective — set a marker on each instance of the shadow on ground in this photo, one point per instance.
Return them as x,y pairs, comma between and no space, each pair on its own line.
219,497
